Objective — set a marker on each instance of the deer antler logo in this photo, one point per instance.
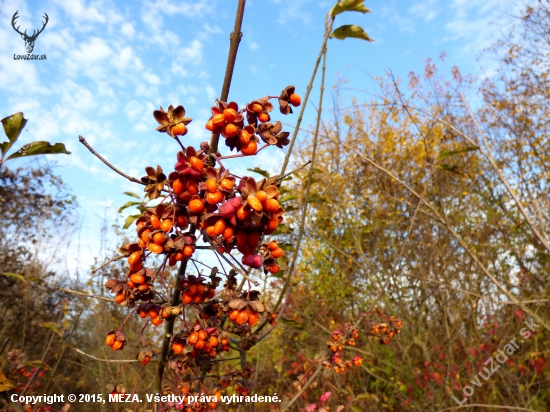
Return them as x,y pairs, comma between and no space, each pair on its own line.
29,40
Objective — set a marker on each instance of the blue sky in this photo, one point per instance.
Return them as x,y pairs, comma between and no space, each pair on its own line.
111,63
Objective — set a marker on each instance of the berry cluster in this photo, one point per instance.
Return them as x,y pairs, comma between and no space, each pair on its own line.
386,331
201,199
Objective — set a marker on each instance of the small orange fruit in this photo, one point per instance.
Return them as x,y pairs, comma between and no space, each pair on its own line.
277,253
186,298
274,268
196,163
145,235
196,206
193,338
153,247
155,222
218,120
157,321
249,149
117,345
230,130
209,126
110,339
233,314
120,298
143,288
179,130
255,204
153,313
227,184
214,341
134,258
253,318
261,196
188,250
158,238
177,187
192,187
271,205
230,115
228,233
214,198
295,100
242,317
263,117
273,245
242,213
202,334
183,222
131,284
177,347
199,344
219,227
212,185
166,225
137,278
257,108
244,137
211,231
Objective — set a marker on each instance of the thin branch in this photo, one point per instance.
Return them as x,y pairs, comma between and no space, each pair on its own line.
109,262
293,171
108,360
479,405
91,149
74,292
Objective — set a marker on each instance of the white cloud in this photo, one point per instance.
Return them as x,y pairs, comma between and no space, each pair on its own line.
254,46
128,30
192,53
151,78
426,10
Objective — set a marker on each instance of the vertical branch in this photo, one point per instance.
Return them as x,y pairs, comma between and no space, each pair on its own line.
169,329
328,28
235,39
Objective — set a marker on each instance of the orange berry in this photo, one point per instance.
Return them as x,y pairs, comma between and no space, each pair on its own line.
131,284
263,117
295,100
196,163
196,206
120,298
227,184
273,245
183,222
117,345
271,205
134,258
153,313
153,247
228,233
186,298
274,268
157,321
200,290
179,130
214,341
142,314
212,185
188,250
212,353
202,334
242,213
137,278
277,253
255,204
218,120
230,130
233,314
210,126
273,223
142,244
244,137
253,318
261,196
143,288
145,235
193,338
242,317
211,231
230,115
110,339
257,108
192,187
145,360
177,347
155,222
197,298
249,149
158,238
177,187
166,225
219,227
225,342
193,289
214,198
199,344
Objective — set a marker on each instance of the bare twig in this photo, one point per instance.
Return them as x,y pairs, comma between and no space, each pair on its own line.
75,292
91,149
109,262
108,360
479,405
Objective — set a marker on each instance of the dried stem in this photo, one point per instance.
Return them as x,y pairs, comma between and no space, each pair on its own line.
107,360
75,292
91,149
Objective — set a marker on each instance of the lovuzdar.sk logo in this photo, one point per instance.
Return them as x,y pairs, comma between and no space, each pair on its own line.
29,40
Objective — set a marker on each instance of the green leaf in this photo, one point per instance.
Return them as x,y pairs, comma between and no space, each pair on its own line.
450,168
287,198
259,171
282,229
51,326
349,5
128,204
129,220
14,275
291,323
280,274
350,30
287,247
39,148
315,198
448,153
13,126
132,194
